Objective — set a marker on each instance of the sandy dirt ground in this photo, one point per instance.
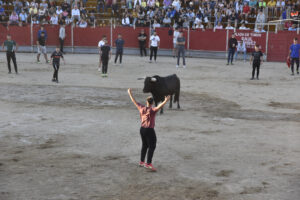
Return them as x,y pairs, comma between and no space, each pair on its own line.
233,139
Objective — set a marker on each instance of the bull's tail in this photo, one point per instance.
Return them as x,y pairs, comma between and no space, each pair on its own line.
177,93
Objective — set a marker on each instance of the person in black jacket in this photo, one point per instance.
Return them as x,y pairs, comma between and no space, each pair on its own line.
256,60
56,55
231,48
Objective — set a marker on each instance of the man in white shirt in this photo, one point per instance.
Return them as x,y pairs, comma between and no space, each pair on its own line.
229,27
75,13
62,36
259,30
54,19
100,44
219,26
154,45
82,23
241,48
243,27
59,10
175,36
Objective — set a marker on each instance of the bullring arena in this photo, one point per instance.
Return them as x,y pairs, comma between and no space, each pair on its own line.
232,139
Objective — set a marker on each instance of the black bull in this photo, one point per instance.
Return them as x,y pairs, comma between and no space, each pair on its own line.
160,87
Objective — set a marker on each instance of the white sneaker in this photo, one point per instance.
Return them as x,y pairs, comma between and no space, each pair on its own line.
99,69
184,66
177,66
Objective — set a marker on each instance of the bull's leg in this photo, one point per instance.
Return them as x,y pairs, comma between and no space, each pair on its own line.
177,98
162,110
170,106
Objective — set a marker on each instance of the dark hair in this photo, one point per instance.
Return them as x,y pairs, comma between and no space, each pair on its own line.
257,45
103,36
150,100
296,39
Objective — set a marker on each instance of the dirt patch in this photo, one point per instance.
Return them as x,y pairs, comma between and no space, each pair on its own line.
295,106
224,173
252,190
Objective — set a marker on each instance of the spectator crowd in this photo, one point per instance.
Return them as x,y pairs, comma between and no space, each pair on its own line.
194,14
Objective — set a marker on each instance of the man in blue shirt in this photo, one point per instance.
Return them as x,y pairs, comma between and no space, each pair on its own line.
294,55
119,48
42,30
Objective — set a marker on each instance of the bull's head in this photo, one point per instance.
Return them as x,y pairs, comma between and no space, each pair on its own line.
149,84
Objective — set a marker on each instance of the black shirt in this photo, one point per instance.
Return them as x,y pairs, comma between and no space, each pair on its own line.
56,56
256,56
42,40
232,41
105,49
142,35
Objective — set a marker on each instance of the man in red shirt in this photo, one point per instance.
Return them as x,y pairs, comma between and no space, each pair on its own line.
246,11
147,132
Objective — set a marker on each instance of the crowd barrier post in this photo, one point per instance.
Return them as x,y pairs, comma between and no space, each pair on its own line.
267,41
227,34
111,32
72,38
31,36
188,41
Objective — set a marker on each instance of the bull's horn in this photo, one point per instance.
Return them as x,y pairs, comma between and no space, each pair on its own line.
141,78
153,79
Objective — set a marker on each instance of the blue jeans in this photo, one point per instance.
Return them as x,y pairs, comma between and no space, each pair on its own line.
230,55
236,55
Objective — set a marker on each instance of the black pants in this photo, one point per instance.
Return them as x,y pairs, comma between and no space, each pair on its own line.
297,64
230,55
119,53
153,50
56,68
256,67
143,49
11,56
61,42
148,143
104,65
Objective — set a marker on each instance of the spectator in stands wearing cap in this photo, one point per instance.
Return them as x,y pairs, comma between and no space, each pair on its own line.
13,19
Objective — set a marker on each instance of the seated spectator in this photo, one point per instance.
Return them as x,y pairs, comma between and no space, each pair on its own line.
293,28
151,3
144,4
219,26
75,13
209,25
156,24
287,25
262,5
241,48
23,17
54,19
34,4
34,21
137,1
253,5
186,23
65,6
13,19
259,29
2,13
68,20
243,27
167,21
199,25
134,16
44,4
115,7
82,23
61,21
167,4
157,4
229,27
218,17
125,20
59,11
92,19
42,13
280,4
245,13
176,4
33,11
18,6
260,19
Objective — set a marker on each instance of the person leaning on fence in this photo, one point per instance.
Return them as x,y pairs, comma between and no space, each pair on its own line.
62,36
11,48
232,43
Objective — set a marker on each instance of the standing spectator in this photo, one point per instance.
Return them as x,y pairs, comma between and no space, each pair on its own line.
180,49
176,34
105,57
260,19
142,42
23,17
11,48
75,13
41,46
232,43
119,48
13,19
256,60
271,7
92,19
241,48
154,45
62,36
294,55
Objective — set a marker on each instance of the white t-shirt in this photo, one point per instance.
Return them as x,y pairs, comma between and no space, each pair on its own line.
75,12
101,43
175,36
154,40
229,28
